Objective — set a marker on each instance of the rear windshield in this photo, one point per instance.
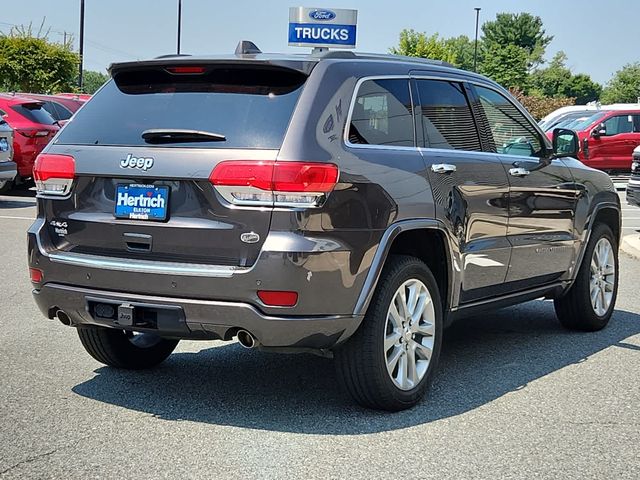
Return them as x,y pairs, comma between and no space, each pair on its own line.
34,112
249,106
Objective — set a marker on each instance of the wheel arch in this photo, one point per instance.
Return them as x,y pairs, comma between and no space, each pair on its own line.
418,238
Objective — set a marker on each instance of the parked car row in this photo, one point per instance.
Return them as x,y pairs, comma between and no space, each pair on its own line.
32,120
608,134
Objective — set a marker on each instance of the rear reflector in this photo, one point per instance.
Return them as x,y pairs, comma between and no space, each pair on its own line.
36,275
251,182
54,174
275,298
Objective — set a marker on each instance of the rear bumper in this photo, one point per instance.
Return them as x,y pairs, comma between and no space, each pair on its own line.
8,170
196,319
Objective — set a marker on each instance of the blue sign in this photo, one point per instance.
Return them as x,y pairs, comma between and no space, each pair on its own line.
142,202
322,27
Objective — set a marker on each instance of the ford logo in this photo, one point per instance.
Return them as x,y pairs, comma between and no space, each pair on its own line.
322,15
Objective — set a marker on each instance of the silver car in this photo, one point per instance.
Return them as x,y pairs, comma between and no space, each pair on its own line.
8,169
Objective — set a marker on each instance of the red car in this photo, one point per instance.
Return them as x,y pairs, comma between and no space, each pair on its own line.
33,128
607,138
73,101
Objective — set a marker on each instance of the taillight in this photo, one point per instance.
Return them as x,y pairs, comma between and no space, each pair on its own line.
54,174
270,183
32,132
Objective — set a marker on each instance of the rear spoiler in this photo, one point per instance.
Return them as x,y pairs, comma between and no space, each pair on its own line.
304,66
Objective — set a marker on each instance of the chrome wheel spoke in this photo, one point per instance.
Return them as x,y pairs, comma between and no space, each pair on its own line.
603,276
422,350
391,340
393,360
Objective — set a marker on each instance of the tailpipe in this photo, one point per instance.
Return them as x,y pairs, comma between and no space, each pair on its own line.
63,317
246,339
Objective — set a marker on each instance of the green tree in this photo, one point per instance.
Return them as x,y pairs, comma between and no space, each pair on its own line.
624,87
92,81
582,88
416,44
31,63
463,50
507,65
558,81
521,30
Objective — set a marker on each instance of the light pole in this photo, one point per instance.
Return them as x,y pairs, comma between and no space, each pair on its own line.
179,24
81,44
475,48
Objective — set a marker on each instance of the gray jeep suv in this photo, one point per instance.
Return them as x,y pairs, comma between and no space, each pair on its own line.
347,204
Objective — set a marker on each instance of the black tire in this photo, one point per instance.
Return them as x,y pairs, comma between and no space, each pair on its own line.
5,186
361,362
121,349
575,310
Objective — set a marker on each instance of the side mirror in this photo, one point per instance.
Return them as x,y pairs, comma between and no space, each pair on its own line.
599,131
565,143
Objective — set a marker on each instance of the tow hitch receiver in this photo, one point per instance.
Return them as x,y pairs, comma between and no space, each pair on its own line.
125,315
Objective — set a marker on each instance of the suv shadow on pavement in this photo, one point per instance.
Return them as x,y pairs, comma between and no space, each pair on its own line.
14,198
483,358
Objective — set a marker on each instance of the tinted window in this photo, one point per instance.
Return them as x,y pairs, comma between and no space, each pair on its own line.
509,130
622,124
34,112
250,106
57,110
582,124
446,116
382,114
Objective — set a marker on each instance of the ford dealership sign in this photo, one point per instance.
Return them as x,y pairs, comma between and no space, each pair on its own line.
322,27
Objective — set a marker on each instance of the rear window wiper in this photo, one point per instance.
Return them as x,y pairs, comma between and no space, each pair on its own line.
179,135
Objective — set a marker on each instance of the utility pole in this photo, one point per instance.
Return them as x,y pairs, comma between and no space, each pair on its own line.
179,24
81,44
475,48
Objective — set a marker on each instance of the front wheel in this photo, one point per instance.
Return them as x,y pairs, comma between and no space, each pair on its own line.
124,349
388,363
589,303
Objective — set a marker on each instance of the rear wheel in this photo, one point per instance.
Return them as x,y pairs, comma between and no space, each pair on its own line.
124,349
589,304
389,361
5,186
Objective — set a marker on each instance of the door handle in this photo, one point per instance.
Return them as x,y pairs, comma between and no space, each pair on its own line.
519,172
443,168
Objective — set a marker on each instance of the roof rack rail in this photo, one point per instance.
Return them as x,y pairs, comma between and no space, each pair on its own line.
381,56
170,55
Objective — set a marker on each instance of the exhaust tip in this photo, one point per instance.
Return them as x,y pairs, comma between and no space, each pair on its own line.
246,339
63,317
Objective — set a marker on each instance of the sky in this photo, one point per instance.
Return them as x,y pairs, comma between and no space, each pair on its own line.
599,37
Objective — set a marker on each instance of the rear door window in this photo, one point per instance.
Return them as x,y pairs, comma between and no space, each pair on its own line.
622,124
382,114
447,119
250,106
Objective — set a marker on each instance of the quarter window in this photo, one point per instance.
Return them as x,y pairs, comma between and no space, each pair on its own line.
382,114
508,130
447,120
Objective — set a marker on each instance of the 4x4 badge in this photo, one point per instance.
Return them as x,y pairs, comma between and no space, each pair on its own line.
143,163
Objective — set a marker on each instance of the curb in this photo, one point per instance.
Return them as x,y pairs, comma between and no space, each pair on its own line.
631,245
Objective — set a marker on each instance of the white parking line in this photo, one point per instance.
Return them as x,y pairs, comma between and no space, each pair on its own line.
16,218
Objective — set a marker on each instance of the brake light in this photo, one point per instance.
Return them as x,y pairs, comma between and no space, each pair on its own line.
185,70
54,174
275,298
267,183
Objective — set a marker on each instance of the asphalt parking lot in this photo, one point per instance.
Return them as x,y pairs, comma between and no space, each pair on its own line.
516,397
